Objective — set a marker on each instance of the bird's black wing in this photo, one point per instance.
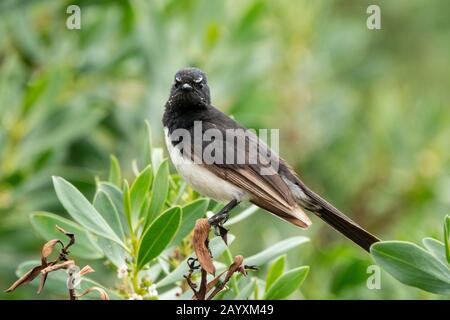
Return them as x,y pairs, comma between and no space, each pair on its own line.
257,175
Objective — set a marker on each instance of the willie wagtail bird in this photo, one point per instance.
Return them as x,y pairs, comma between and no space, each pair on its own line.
265,180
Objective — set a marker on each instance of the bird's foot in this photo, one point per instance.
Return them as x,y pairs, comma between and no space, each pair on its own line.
191,262
219,230
217,222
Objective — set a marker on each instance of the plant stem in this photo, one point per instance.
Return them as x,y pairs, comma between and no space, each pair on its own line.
135,279
72,295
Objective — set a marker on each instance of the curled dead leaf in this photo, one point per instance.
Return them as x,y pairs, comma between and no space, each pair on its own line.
47,249
27,277
237,265
68,234
64,265
42,283
200,243
214,282
44,278
101,291
85,270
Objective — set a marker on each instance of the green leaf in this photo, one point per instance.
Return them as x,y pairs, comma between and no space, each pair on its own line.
158,235
157,158
412,265
275,250
115,173
436,248
191,212
104,205
160,190
139,191
447,237
217,247
242,215
246,291
82,211
275,271
287,284
44,223
116,195
127,205
147,154
115,253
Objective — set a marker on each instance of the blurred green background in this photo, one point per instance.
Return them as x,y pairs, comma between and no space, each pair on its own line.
364,115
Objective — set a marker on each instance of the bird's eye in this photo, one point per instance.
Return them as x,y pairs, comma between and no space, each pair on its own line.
177,80
198,80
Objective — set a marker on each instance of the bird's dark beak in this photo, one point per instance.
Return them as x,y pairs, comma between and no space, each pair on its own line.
186,87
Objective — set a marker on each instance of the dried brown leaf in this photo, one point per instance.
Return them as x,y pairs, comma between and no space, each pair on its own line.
214,281
64,265
69,234
27,277
101,291
235,266
42,283
200,240
44,278
47,249
85,270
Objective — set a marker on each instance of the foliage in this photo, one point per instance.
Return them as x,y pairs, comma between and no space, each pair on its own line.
412,265
75,275
144,232
363,115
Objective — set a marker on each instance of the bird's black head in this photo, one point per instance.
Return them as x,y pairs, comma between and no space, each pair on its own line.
190,89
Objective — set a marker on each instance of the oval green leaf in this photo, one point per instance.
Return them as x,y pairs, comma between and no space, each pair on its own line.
115,173
104,205
275,271
436,248
246,292
82,211
139,191
158,235
412,265
287,283
44,223
116,196
242,215
160,190
447,237
191,212
275,250
115,253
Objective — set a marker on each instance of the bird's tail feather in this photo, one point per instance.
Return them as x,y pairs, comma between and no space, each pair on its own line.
341,222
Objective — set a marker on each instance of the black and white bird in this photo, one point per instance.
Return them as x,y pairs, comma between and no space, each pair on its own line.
275,188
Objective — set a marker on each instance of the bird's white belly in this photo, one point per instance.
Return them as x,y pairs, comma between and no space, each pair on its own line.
202,180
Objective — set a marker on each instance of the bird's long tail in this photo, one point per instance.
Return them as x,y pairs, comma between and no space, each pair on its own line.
340,221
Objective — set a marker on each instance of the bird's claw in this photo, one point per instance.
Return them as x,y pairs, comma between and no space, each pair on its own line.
219,230
191,263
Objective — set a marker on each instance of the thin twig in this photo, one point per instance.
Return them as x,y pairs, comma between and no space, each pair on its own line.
203,285
72,294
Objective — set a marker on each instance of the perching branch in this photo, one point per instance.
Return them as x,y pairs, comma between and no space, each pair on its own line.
204,258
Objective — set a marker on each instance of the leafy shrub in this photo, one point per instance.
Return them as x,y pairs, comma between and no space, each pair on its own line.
427,269
143,229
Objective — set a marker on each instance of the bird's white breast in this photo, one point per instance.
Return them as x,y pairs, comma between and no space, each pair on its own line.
200,179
